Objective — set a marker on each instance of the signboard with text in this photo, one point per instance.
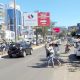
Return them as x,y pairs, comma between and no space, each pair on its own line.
30,19
43,19
36,19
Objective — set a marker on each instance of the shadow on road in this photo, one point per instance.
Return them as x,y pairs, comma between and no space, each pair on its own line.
39,65
74,63
7,57
43,63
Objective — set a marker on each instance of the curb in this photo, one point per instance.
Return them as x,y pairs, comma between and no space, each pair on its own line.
37,47
34,48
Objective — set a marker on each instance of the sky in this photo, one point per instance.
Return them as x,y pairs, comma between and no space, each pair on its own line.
63,12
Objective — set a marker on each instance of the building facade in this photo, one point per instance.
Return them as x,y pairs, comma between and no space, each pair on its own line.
10,19
2,20
2,13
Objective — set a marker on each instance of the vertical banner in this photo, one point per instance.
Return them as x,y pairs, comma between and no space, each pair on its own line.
43,19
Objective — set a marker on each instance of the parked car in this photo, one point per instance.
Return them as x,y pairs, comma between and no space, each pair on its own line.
34,41
77,49
19,49
77,52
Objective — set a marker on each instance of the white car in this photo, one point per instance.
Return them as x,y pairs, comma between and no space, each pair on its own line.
77,52
34,41
27,41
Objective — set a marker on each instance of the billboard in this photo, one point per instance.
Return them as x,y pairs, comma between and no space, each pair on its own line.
30,19
36,19
43,19
56,30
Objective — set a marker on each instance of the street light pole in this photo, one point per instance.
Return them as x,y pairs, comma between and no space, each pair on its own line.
15,19
36,37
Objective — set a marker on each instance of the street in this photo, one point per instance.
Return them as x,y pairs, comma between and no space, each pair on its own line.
34,67
39,40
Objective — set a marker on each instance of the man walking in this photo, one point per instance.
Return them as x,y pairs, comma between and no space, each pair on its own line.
56,51
50,55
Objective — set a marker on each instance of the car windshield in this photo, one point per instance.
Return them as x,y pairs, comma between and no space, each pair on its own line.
24,44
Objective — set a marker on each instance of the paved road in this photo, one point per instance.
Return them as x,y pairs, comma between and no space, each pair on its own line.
32,67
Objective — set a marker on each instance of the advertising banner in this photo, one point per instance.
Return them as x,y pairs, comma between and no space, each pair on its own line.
30,19
56,30
36,19
43,19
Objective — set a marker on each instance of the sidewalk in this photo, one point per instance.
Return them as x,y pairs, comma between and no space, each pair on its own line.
36,47
69,70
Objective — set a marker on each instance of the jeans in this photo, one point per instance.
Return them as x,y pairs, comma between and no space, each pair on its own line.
50,59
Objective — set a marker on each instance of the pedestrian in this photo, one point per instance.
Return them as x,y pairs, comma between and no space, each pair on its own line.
57,53
3,48
50,55
67,49
46,45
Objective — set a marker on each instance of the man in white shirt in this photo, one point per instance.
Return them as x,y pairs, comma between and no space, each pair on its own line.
56,52
51,54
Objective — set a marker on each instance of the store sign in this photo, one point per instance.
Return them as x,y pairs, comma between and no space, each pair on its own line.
43,19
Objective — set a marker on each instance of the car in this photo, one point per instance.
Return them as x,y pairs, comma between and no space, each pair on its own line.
77,52
34,41
19,49
77,49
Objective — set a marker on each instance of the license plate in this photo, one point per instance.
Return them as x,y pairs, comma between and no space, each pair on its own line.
14,55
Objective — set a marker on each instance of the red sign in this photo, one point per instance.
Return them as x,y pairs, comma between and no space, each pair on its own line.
43,19
57,30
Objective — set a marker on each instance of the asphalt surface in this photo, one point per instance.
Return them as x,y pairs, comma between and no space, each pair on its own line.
32,67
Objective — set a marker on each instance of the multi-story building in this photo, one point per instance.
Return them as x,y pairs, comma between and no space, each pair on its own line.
10,18
2,19
72,28
2,14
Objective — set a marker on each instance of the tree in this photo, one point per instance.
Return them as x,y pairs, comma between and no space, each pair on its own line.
73,33
0,27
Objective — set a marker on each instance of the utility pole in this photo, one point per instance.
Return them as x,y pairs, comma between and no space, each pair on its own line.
43,33
36,36
15,19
